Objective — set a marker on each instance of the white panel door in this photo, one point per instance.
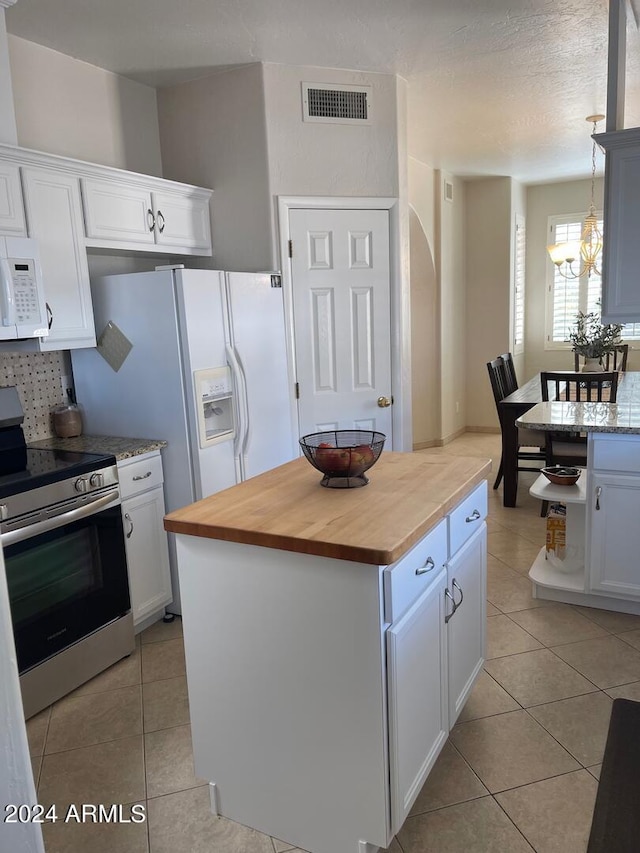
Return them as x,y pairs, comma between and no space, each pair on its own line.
342,324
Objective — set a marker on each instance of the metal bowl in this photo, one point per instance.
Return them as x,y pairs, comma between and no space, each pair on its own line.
562,475
343,455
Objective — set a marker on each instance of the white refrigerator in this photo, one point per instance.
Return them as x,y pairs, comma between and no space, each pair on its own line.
197,358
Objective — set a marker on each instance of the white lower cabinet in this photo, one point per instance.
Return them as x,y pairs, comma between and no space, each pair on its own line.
614,534
145,539
418,714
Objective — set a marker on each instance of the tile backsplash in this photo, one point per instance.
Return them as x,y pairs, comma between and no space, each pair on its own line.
38,378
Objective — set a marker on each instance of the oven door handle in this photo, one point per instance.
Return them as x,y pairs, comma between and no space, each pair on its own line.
31,530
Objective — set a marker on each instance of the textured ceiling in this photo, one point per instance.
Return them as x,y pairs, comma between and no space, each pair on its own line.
495,87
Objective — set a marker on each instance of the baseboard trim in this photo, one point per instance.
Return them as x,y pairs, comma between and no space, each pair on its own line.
484,429
442,442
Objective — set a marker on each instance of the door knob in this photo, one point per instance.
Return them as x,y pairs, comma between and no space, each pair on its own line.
384,402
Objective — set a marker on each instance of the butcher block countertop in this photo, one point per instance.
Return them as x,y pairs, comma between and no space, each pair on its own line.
287,508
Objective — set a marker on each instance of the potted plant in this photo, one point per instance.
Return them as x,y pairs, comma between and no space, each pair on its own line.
592,339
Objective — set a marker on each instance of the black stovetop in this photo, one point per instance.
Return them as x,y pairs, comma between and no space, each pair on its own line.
51,466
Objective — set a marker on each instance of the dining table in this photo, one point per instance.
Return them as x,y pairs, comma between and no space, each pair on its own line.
520,401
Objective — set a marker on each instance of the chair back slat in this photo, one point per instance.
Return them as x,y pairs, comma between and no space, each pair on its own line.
510,371
580,387
498,379
618,357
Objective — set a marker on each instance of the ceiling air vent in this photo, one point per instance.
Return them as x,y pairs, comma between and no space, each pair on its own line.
336,104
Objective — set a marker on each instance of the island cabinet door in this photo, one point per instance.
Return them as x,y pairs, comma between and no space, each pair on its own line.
466,612
614,534
417,673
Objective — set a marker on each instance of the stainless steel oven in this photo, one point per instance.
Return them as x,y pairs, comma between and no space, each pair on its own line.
62,535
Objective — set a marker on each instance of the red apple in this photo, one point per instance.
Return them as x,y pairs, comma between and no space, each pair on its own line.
333,459
365,452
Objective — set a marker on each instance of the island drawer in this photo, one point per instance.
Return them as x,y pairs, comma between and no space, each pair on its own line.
405,580
465,519
616,453
138,475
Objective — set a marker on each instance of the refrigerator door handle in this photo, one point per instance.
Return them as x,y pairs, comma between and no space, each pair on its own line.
241,400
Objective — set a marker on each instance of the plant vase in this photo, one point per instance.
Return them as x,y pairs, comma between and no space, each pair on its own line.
592,365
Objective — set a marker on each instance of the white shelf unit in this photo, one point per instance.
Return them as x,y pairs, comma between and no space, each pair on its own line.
567,574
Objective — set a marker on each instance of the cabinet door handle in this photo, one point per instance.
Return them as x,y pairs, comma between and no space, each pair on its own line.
598,493
160,218
130,531
448,616
49,315
151,220
456,585
142,476
427,567
475,515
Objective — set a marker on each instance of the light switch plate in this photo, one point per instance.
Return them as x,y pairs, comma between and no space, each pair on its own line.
114,346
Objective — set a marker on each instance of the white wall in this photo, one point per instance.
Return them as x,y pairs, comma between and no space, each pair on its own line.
8,131
67,107
546,200
425,326
452,271
213,134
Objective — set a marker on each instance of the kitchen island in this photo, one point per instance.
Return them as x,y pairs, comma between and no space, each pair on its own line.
332,637
601,566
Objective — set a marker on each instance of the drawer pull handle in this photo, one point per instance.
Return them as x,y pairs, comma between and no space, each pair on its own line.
151,220
427,567
142,476
130,531
448,616
475,515
455,585
598,493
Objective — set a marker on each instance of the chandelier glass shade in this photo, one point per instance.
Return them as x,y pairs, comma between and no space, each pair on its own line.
574,259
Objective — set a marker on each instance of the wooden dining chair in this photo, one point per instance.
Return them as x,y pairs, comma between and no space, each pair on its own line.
530,442
510,372
617,360
568,448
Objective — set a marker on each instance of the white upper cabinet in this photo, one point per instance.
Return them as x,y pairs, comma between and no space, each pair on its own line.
146,218
54,216
621,252
12,220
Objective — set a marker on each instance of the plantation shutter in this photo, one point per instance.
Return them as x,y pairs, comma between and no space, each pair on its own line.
518,281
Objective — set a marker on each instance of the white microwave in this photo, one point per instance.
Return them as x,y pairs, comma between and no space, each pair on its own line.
23,310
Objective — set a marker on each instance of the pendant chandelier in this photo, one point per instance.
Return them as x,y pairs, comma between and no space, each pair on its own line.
586,252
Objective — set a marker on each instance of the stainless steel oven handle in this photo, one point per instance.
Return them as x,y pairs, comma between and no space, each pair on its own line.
31,530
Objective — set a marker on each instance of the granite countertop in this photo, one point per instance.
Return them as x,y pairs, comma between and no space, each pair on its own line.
121,448
583,417
288,509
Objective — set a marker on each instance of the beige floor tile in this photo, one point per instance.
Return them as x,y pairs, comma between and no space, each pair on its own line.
165,704
580,724
83,720
124,673
504,637
478,825
609,619
554,815
510,750
169,761
486,699
183,822
160,631
606,661
36,764
631,637
37,731
512,594
491,610
497,570
451,781
104,773
536,677
282,846
556,624
516,552
625,691
595,770
163,660
90,837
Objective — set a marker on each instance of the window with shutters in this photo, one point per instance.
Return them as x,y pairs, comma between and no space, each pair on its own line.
517,342
567,296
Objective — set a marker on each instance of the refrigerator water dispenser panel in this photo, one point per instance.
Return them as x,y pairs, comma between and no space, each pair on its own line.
214,400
